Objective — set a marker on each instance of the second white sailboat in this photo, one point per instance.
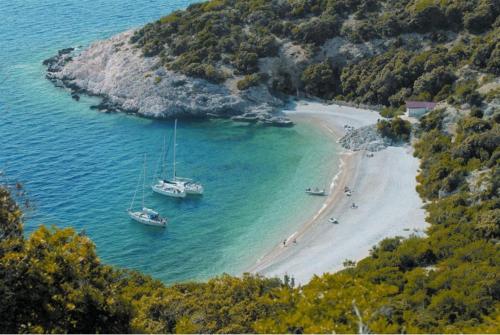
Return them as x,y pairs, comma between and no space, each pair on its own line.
176,187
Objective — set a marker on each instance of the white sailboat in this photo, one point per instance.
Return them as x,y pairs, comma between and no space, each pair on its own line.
176,187
169,188
190,186
145,216
165,186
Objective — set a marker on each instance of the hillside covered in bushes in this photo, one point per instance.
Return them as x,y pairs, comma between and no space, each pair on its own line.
373,52
366,51
53,281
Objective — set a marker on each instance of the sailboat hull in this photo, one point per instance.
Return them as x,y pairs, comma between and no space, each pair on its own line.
190,187
169,191
175,187
145,219
193,189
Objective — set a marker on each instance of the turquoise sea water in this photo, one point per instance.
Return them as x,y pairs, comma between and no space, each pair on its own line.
80,166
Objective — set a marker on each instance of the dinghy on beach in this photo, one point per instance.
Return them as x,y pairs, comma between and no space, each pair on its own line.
333,220
315,191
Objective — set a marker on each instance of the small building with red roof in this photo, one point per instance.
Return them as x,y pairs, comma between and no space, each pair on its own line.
419,108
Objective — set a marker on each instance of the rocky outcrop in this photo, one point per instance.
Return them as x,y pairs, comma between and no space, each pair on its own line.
364,138
127,81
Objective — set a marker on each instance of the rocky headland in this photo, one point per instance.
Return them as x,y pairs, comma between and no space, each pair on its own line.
117,71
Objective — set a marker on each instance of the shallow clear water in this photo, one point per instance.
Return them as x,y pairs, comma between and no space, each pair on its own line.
81,167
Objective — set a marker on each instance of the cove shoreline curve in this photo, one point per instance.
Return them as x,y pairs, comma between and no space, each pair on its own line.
384,188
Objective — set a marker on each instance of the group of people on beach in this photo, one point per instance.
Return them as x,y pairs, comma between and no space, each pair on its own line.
348,192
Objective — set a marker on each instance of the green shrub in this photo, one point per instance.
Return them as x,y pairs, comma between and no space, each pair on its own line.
320,79
432,120
249,81
317,30
205,71
482,17
397,129
246,62
390,112
432,83
465,92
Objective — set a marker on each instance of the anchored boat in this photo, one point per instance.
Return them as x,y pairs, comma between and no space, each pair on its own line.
145,216
169,188
176,187
190,186
148,217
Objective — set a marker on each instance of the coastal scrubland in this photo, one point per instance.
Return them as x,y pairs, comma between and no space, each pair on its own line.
445,282
373,52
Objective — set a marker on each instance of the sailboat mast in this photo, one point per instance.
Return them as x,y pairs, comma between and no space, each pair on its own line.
143,180
164,158
175,144
136,189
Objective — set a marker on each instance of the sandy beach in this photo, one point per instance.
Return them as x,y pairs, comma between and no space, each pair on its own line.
383,188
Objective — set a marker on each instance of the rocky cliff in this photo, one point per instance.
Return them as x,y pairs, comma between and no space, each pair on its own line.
117,71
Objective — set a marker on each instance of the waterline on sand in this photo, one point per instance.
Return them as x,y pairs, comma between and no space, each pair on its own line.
384,192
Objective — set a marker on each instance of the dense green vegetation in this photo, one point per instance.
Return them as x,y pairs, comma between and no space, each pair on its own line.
250,80
52,281
396,129
447,281
219,39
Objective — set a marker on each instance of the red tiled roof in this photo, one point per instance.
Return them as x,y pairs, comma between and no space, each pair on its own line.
420,104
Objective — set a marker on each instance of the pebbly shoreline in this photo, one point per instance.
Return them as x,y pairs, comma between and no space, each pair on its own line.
382,180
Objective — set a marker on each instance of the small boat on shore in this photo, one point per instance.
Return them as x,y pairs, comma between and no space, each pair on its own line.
333,220
145,216
315,191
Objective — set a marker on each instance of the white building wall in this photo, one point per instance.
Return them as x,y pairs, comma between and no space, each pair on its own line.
416,112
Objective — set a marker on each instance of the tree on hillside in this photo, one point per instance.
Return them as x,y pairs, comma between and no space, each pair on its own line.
53,281
321,80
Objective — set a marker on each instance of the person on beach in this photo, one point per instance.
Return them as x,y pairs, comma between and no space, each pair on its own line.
284,243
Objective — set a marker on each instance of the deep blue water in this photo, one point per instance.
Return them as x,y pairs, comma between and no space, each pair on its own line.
80,167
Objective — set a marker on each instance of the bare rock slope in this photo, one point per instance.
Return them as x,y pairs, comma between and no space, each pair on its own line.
127,81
